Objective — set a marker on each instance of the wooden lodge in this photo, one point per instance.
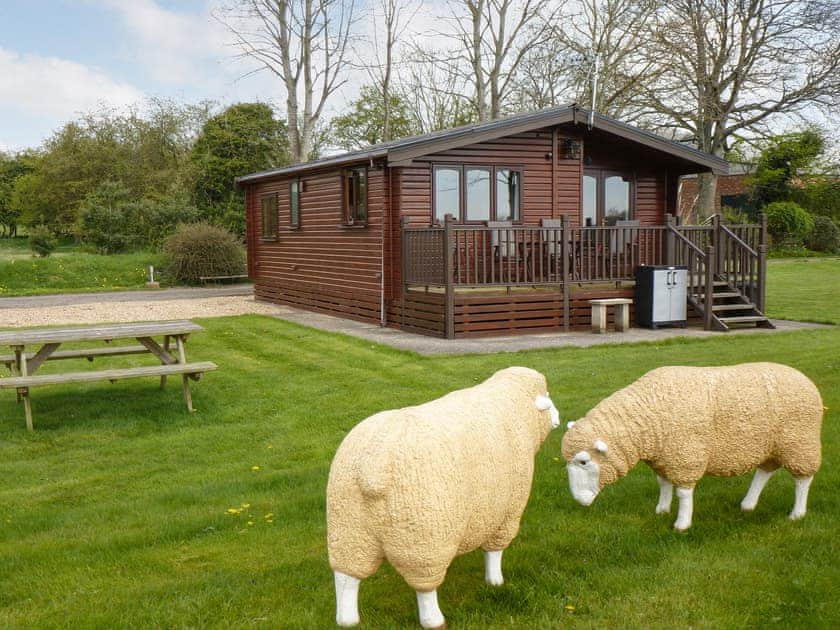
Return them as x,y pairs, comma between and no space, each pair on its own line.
504,227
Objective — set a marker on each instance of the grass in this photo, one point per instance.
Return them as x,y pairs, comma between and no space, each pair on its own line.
69,270
114,512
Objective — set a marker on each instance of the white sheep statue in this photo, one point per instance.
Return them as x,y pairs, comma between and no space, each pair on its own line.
420,485
686,422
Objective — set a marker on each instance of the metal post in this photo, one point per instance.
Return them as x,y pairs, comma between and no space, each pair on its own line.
449,295
564,263
710,288
762,265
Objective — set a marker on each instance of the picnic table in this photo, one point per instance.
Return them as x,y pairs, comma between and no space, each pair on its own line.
30,348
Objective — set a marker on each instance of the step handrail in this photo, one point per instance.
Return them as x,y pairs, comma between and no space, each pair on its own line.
679,235
738,240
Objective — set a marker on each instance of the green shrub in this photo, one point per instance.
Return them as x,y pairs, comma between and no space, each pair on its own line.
42,241
202,249
825,237
788,223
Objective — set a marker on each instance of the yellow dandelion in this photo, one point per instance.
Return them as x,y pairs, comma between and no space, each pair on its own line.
233,511
271,520
271,446
269,515
250,523
245,506
569,608
255,468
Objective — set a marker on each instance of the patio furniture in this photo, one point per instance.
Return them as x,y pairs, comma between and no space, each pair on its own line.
599,314
32,347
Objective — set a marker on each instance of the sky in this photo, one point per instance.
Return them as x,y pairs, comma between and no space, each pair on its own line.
59,58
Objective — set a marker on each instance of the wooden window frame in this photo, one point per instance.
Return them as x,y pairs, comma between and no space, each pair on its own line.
269,236
462,169
294,184
348,211
601,174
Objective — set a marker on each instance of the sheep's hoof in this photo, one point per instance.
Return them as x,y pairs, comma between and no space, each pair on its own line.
679,527
663,509
442,626
796,515
747,507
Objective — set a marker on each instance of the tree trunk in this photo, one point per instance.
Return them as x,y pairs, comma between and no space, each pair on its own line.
706,196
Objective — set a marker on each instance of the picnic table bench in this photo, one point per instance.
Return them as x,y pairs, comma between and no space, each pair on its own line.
23,363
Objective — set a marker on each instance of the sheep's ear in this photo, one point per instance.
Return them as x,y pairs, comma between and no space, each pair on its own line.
543,403
570,424
601,446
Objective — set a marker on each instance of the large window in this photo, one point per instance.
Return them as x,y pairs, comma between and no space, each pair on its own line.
294,203
607,197
355,196
268,205
489,193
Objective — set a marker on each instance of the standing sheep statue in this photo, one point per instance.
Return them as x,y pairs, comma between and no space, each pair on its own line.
686,422
420,485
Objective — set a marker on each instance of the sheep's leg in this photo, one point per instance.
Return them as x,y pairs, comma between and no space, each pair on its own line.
493,568
666,494
685,498
759,481
800,504
346,599
429,611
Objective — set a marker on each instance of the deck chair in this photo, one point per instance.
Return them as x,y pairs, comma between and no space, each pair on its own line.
503,240
552,237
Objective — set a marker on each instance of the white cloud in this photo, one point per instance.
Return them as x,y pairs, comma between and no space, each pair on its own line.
47,91
171,47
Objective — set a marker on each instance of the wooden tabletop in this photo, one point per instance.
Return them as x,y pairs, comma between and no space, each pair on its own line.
102,332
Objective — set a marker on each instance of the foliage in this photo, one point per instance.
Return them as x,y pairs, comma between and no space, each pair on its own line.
244,138
821,195
168,553
825,235
788,222
11,168
781,163
42,241
364,123
111,222
147,153
202,249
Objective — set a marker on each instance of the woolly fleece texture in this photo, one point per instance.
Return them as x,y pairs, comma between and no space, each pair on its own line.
686,422
418,486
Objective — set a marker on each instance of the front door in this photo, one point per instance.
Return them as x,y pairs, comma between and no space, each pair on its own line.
607,197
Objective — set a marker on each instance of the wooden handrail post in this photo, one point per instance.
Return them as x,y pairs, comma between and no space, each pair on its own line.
708,300
762,265
404,267
716,243
449,288
669,239
564,263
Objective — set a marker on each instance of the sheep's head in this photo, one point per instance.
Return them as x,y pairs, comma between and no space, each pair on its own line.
588,464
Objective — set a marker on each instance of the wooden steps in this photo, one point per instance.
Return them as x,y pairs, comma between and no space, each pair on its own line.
730,308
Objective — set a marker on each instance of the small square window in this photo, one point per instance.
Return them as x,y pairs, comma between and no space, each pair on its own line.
269,215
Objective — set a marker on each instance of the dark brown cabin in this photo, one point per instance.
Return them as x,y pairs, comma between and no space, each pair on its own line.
503,227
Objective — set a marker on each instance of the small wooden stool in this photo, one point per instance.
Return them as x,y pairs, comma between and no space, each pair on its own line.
599,314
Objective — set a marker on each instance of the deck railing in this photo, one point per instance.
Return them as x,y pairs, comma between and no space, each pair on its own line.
456,256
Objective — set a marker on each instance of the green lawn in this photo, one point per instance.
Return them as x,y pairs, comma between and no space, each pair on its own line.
804,288
69,270
114,512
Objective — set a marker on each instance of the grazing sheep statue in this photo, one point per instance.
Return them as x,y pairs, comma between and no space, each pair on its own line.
686,422
420,485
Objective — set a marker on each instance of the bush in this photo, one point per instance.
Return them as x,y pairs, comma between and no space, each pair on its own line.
112,222
825,237
202,249
42,241
788,223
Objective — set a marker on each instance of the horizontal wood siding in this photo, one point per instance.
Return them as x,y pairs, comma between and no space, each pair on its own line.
422,313
322,266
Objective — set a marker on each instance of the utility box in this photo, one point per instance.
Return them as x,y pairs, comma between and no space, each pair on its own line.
661,298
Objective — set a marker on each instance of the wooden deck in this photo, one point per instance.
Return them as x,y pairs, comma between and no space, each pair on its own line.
464,280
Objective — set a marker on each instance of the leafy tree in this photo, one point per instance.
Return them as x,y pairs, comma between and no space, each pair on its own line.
781,165
244,138
364,124
12,167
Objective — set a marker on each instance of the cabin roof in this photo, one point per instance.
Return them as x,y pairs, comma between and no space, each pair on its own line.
402,152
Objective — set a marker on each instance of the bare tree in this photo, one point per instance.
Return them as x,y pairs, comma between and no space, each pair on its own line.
303,42
595,43
494,37
729,68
